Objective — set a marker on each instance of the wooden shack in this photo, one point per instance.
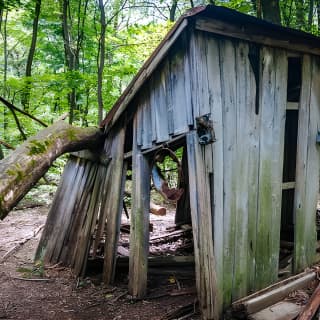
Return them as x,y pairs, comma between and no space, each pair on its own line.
242,97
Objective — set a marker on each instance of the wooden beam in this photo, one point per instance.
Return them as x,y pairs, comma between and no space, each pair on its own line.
273,293
252,34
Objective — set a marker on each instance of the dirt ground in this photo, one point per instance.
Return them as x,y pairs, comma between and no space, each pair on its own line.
29,290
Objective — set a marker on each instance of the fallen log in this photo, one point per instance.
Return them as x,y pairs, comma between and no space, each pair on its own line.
312,306
23,167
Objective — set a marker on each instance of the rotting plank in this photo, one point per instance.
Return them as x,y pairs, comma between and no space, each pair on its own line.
305,246
300,260
272,108
228,91
214,86
253,140
63,221
244,117
114,206
139,235
200,203
73,228
68,175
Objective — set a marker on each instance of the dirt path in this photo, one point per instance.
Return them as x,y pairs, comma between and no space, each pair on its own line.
60,295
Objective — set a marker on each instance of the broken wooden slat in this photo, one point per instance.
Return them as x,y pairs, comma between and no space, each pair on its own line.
312,306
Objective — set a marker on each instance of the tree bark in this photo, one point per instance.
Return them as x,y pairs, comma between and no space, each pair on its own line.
26,94
271,11
101,59
28,163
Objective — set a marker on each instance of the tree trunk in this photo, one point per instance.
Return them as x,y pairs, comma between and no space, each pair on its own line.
28,163
101,55
300,14
271,11
26,94
310,14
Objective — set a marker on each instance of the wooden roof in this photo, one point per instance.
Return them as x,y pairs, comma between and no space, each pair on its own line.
221,21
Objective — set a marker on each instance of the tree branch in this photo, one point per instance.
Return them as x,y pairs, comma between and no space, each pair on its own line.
12,107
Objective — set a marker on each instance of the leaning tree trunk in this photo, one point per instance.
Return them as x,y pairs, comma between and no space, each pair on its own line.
28,163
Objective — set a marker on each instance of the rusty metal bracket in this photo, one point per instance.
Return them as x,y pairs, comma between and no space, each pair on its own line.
205,129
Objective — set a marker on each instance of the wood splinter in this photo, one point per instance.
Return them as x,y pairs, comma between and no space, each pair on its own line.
312,306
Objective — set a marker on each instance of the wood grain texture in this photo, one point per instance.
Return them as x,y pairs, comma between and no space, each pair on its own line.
272,106
307,170
228,92
200,203
139,235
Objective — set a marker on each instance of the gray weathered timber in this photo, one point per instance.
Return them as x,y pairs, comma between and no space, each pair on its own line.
199,71
66,211
200,203
146,128
87,223
228,91
300,261
159,107
272,108
214,84
139,235
245,171
68,175
114,206
253,34
308,165
180,91
74,225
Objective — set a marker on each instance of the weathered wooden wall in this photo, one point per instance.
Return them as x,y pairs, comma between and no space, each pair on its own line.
242,170
247,158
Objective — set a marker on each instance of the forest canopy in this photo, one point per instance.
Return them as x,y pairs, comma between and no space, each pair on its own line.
77,56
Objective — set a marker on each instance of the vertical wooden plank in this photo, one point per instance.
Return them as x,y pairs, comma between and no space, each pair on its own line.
63,222
273,105
198,59
160,106
180,89
307,168
200,203
68,175
114,206
139,235
253,154
214,86
228,92
146,127
168,95
243,116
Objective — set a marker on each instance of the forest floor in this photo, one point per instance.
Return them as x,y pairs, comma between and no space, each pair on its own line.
32,291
